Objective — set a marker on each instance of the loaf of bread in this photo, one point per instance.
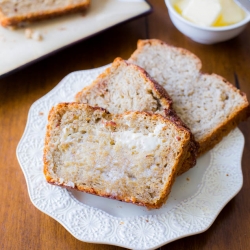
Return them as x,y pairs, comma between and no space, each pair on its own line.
209,105
126,87
132,157
13,12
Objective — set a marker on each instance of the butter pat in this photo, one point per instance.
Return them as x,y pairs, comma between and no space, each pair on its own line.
138,141
202,12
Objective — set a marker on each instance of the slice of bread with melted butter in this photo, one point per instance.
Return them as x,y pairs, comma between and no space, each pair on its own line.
132,157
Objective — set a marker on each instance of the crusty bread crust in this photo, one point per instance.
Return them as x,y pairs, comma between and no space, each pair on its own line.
42,15
241,113
54,123
162,97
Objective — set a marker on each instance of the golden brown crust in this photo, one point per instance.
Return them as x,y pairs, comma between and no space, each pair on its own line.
118,198
14,21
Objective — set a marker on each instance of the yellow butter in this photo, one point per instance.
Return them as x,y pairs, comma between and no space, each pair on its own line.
202,12
231,13
213,13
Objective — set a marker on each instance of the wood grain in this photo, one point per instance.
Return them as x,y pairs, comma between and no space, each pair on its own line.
22,226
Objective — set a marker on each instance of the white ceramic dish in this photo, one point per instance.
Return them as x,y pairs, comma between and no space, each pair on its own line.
16,50
205,35
196,199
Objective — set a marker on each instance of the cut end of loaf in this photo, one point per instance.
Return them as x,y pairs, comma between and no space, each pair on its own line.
132,157
15,13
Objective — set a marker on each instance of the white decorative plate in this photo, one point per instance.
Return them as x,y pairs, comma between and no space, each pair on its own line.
196,199
16,50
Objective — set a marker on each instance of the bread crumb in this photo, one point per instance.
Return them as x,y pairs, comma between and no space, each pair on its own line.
121,223
187,179
28,33
227,174
35,35
41,113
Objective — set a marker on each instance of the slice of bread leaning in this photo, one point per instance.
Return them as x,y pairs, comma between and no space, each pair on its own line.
132,157
126,87
13,12
209,105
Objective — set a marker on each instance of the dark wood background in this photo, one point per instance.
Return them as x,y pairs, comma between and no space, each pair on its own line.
22,226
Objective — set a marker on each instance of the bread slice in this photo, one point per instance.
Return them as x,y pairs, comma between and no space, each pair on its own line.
126,87
209,105
14,12
132,157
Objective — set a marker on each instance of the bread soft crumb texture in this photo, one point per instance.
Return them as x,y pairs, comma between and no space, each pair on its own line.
132,157
126,87
14,12
209,105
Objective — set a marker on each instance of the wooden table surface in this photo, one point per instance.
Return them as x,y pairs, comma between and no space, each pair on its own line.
22,226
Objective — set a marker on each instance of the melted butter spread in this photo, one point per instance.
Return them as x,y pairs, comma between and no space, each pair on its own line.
138,141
